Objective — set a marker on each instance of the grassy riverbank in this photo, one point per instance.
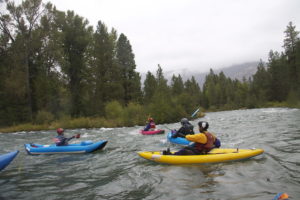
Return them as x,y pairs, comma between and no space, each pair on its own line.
114,121
83,122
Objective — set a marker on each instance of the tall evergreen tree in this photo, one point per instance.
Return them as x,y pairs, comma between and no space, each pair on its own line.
260,85
279,84
150,86
106,74
193,90
161,102
209,90
162,82
76,37
290,42
297,64
131,79
177,85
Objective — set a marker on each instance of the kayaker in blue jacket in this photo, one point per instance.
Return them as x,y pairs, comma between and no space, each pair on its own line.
61,140
150,126
185,129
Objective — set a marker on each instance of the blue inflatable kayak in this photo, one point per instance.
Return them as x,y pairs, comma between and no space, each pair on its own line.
5,159
83,147
184,142
177,140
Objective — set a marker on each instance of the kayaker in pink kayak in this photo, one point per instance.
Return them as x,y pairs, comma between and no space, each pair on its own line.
150,126
61,140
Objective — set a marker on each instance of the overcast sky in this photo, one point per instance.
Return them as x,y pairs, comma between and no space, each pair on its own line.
193,34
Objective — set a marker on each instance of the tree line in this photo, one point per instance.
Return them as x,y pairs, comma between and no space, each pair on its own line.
276,82
54,65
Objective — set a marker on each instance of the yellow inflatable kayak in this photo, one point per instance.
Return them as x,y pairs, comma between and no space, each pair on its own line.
214,156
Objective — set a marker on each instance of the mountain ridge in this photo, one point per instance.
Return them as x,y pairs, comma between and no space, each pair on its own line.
237,71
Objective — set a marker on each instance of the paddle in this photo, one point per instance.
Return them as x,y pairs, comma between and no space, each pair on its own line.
194,113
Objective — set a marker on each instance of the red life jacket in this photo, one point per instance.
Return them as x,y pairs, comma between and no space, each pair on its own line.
152,125
208,145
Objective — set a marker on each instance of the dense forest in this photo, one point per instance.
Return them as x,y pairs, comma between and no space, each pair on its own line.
55,67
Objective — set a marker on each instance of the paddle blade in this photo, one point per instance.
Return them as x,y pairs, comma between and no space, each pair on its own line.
196,111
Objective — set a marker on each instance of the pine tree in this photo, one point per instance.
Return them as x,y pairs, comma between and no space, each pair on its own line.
105,72
193,91
177,85
76,38
260,85
290,42
130,78
150,86
279,83
291,38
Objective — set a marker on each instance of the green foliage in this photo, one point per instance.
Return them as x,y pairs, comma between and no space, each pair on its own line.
56,68
44,117
76,38
150,86
134,114
131,79
177,85
183,102
293,99
23,127
114,111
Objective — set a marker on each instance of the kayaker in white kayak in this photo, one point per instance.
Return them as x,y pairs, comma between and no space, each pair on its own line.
203,142
61,140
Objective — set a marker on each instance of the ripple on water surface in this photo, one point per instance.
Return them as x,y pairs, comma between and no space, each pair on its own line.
117,172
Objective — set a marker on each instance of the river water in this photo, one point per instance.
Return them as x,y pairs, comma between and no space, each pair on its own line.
117,172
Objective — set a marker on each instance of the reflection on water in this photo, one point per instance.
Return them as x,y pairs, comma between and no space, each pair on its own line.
118,173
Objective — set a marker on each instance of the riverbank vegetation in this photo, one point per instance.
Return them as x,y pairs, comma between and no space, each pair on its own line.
58,71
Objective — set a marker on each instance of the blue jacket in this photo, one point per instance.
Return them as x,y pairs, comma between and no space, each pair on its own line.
62,140
147,127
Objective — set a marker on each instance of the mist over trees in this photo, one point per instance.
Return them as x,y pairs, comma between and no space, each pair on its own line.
53,65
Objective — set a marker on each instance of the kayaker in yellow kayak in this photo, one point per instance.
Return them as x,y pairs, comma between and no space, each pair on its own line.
203,142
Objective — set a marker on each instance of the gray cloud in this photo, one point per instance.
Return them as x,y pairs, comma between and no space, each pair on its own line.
193,34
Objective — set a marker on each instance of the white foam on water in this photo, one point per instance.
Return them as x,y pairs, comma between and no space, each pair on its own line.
134,132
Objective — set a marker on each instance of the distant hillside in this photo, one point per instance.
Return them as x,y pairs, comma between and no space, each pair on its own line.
234,72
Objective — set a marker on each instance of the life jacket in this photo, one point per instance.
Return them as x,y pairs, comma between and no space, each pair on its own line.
152,125
60,140
208,145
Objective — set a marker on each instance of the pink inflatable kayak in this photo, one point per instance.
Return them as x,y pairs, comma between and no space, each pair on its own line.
159,131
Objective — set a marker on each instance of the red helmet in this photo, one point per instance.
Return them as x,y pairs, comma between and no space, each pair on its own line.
150,119
60,130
